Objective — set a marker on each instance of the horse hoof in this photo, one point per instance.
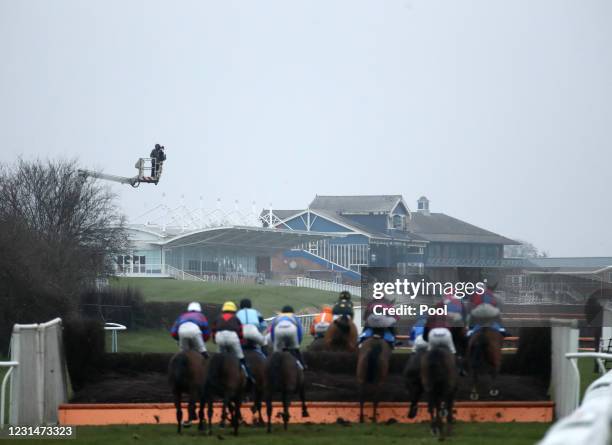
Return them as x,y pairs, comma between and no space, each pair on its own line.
494,392
412,412
474,396
187,424
305,414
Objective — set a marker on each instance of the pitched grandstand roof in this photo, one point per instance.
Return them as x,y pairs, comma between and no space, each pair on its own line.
439,227
357,203
281,214
257,239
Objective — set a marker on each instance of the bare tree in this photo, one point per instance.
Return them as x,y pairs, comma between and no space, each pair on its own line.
524,250
58,233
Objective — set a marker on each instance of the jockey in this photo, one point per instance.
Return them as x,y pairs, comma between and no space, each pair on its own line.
436,331
286,334
380,325
455,309
191,329
228,335
344,306
416,334
321,322
485,312
253,323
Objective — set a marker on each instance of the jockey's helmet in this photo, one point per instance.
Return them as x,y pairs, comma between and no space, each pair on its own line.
287,310
194,307
345,295
229,306
327,309
245,303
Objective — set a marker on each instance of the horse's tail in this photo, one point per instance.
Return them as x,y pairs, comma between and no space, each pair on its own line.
179,373
438,374
215,370
372,364
275,372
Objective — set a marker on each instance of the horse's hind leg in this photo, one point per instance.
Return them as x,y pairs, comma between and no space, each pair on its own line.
285,410
269,412
361,402
303,399
179,412
201,415
210,414
236,416
375,409
416,392
223,414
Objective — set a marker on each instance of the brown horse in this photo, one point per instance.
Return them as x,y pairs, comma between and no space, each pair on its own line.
484,357
372,370
341,335
257,364
187,375
286,377
225,380
439,378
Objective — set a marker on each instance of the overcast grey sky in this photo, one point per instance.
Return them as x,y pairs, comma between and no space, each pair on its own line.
499,112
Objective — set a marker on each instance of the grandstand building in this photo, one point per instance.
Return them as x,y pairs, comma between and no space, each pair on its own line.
382,231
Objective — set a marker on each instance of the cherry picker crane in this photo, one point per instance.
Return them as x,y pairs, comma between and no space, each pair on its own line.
149,170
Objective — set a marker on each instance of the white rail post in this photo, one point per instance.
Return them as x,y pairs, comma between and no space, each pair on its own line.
10,366
564,337
114,327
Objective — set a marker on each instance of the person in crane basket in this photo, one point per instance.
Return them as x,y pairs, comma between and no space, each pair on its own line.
158,156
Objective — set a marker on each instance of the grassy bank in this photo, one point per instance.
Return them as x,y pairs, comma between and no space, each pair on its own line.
268,299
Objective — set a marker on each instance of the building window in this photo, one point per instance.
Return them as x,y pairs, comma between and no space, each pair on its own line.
398,222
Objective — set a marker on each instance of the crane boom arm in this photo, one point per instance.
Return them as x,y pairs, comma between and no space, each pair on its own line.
120,179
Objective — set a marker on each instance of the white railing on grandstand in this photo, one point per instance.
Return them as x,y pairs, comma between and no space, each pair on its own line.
179,274
114,328
325,285
9,372
590,423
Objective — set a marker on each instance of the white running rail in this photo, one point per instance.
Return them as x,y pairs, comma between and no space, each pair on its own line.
325,285
10,366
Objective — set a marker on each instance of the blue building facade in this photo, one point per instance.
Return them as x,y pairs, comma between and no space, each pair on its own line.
382,231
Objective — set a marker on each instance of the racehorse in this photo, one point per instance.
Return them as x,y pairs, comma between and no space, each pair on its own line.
284,376
372,370
187,374
226,380
341,335
439,378
412,376
257,364
484,357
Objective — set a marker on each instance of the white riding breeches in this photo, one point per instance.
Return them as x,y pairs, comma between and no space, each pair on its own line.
441,337
285,336
420,343
228,341
190,337
250,332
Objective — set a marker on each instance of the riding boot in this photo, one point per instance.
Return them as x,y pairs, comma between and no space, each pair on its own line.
247,371
298,356
205,354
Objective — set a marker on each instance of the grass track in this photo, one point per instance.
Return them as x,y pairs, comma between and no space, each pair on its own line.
267,298
465,434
